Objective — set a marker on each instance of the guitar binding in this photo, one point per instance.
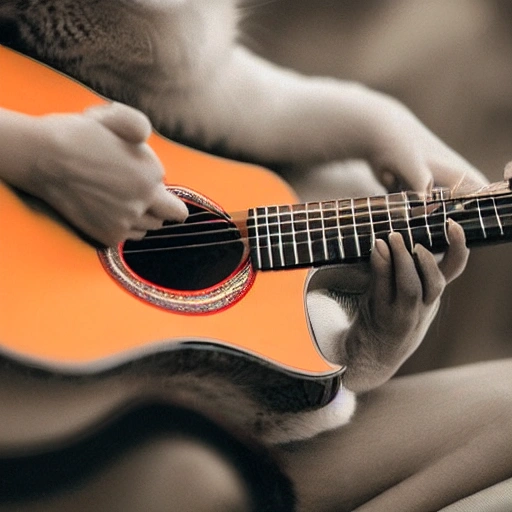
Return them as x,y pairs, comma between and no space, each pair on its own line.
203,266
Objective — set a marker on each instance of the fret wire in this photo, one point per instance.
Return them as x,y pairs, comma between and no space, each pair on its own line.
324,235
497,216
356,236
407,218
338,226
280,238
445,223
269,245
257,237
391,229
294,238
484,232
369,204
427,225
308,233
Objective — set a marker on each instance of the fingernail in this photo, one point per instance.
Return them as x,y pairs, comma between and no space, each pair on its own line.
417,249
450,224
381,248
394,236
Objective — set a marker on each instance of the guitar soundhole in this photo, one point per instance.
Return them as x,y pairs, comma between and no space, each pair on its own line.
195,255
197,267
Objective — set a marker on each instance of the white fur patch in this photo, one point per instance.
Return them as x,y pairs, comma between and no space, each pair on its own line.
300,426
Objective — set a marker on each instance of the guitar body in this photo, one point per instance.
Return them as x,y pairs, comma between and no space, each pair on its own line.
65,314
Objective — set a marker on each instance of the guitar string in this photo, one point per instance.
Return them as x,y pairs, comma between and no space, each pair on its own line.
343,238
432,216
360,213
363,210
348,226
405,199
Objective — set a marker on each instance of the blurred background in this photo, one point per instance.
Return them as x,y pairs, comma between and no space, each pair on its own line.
450,61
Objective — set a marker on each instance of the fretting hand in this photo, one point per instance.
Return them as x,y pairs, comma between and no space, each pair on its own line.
393,315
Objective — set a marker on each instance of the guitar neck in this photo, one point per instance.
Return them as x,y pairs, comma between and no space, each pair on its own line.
329,232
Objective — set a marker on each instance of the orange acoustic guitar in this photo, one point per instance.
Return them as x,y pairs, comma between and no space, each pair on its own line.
231,284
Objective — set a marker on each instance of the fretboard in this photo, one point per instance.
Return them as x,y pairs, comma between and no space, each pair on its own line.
321,233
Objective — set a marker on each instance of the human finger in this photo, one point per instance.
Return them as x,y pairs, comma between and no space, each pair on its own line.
456,256
135,234
167,206
407,281
106,235
432,279
126,122
382,277
148,222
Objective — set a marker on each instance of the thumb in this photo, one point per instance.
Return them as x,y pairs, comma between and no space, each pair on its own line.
126,122
168,206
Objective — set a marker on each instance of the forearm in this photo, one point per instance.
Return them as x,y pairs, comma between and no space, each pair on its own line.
20,145
272,114
268,114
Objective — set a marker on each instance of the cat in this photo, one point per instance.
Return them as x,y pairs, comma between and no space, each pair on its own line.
181,63
119,53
